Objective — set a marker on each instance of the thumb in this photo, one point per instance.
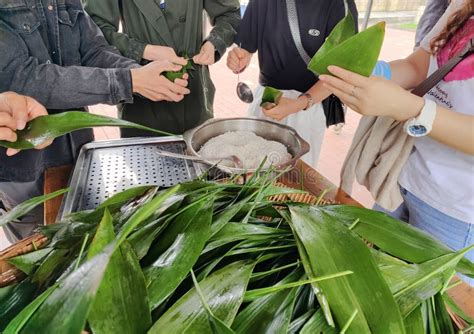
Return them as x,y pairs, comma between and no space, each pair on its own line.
179,61
165,66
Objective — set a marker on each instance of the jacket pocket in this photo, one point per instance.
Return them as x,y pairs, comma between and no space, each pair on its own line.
19,17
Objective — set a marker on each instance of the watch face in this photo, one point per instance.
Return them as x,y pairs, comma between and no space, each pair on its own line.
417,130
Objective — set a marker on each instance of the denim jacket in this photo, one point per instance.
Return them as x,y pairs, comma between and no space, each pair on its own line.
52,51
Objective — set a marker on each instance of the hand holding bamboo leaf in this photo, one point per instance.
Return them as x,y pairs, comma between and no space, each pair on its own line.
46,128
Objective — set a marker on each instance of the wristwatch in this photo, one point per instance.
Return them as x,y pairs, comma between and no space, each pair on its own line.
310,100
422,124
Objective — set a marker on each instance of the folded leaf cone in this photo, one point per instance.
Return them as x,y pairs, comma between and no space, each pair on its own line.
358,53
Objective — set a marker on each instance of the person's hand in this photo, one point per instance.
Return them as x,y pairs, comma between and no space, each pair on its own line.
207,55
158,52
238,59
372,96
148,82
15,111
286,107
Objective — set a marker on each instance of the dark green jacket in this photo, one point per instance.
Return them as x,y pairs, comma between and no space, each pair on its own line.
180,26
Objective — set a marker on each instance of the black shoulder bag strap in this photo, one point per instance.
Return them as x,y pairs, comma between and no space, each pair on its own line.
333,108
439,75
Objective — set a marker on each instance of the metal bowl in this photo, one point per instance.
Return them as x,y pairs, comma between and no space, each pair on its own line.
197,137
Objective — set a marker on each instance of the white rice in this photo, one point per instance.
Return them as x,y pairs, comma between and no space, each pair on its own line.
248,147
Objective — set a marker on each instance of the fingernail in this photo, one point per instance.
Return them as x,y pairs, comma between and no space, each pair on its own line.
20,124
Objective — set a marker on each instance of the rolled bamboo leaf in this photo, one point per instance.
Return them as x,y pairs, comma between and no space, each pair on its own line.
223,290
184,241
66,309
345,29
28,262
25,207
393,236
332,248
358,53
269,314
15,300
318,324
20,320
122,197
414,323
172,76
123,287
271,97
44,128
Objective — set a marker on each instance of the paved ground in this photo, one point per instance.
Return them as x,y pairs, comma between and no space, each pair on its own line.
398,44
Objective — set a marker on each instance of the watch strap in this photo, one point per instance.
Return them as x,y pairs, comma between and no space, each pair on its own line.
425,119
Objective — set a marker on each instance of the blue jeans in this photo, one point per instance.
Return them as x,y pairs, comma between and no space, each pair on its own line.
454,233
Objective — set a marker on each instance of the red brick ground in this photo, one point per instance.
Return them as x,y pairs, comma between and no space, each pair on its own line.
398,44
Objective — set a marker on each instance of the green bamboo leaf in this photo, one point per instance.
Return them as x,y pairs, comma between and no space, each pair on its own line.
414,285
49,127
318,324
145,212
298,323
20,320
257,293
25,207
217,326
270,98
393,236
224,217
66,309
15,300
358,53
344,30
28,262
414,323
269,314
223,290
440,316
142,239
233,232
54,263
122,287
125,196
183,242
332,247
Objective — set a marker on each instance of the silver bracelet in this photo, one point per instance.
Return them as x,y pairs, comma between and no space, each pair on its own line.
310,100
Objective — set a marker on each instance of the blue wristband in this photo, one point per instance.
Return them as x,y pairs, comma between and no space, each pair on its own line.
382,69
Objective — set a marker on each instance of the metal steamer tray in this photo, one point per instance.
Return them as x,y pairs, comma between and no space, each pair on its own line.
107,167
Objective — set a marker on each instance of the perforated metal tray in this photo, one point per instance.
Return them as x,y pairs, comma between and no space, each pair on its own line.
108,167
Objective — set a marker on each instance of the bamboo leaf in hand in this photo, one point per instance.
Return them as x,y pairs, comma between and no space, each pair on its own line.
223,290
25,207
358,53
45,128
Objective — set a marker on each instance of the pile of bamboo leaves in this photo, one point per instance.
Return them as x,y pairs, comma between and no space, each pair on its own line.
205,257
